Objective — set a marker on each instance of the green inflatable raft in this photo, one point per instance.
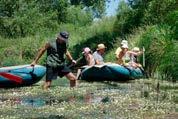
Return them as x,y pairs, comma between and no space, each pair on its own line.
110,72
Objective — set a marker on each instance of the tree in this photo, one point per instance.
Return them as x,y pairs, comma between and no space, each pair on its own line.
98,6
78,17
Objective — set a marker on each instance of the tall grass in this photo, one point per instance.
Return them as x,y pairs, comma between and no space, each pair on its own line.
23,50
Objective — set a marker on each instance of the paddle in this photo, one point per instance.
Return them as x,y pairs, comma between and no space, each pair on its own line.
143,56
71,65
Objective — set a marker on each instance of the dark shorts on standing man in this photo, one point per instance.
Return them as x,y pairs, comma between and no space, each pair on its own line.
52,73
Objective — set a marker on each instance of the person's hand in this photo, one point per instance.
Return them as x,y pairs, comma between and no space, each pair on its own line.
33,63
74,62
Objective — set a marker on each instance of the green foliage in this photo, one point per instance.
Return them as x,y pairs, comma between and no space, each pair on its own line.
159,47
172,20
78,17
137,13
27,25
124,14
22,18
169,64
152,11
98,6
56,6
157,10
160,19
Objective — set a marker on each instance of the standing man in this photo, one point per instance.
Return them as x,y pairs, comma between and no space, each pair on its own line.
55,62
98,54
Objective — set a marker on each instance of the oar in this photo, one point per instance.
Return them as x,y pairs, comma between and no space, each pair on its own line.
71,65
143,56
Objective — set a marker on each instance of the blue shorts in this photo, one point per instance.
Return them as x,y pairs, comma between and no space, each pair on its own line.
52,73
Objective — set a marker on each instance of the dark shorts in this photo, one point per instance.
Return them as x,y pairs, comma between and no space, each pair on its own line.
52,73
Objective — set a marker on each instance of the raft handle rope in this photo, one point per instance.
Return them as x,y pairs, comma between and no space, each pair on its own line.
31,72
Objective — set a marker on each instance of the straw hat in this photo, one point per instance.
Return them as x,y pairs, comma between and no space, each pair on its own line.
101,46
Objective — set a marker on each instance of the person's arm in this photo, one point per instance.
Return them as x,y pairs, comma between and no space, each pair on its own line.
40,53
117,52
95,56
69,56
134,53
97,62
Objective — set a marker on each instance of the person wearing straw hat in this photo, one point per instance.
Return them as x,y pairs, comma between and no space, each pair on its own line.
98,54
119,49
134,57
123,57
55,62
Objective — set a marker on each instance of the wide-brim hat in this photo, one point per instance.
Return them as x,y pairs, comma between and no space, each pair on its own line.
64,35
101,46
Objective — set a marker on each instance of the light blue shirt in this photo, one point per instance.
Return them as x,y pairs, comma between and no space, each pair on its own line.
98,57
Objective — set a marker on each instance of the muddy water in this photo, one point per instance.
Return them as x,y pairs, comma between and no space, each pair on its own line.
97,96
105,93
108,99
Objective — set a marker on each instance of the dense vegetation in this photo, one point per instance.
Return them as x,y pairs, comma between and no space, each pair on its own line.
26,25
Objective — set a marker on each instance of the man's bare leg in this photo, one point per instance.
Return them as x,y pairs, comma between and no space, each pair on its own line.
72,78
47,84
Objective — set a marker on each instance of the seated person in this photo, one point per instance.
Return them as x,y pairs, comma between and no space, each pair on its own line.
119,49
88,56
123,56
89,59
134,57
98,54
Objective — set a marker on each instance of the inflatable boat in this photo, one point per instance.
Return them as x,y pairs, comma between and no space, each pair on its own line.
23,75
110,72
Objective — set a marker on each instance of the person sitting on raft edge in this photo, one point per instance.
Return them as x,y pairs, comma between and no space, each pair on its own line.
129,58
55,63
98,54
123,57
119,49
134,57
89,59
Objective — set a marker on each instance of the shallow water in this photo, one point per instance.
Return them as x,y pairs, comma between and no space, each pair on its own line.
104,99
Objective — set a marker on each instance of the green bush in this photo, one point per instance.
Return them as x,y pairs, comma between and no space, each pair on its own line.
160,48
